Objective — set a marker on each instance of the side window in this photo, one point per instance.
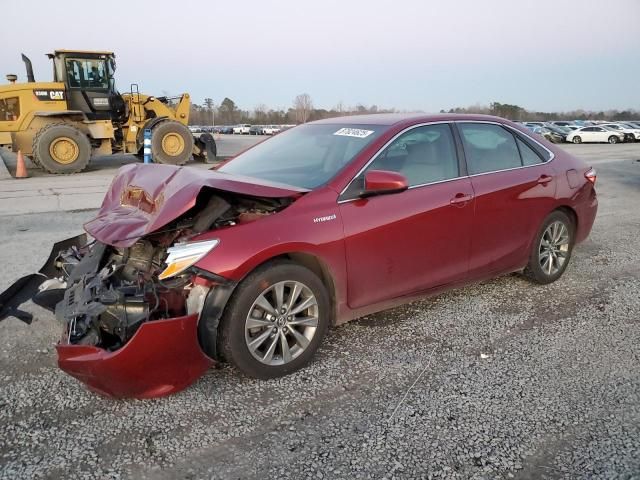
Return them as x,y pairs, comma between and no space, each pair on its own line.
423,155
529,157
9,109
597,129
488,148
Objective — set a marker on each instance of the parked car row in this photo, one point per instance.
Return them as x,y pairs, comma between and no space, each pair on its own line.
587,132
240,129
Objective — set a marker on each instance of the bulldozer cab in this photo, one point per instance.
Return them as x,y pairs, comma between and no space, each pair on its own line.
90,83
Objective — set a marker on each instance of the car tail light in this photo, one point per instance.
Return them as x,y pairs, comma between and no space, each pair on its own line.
591,175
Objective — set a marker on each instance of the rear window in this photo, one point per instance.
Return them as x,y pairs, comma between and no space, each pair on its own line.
9,109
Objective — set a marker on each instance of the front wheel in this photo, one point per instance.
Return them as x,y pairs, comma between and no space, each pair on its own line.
171,143
577,139
551,249
275,320
613,139
61,148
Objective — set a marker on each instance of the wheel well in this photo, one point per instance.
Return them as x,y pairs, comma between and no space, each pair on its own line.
571,213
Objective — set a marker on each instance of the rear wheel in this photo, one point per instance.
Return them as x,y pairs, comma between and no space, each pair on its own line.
551,249
61,148
577,139
171,143
275,320
613,139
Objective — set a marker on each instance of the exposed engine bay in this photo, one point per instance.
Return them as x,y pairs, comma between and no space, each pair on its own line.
105,293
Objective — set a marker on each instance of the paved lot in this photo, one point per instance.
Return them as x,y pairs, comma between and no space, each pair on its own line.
43,192
498,380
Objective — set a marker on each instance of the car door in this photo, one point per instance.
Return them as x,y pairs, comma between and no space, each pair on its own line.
514,186
600,134
586,134
405,242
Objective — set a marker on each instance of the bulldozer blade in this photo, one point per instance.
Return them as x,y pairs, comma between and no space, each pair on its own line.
207,147
28,287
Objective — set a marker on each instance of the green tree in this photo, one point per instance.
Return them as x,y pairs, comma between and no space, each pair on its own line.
228,112
209,104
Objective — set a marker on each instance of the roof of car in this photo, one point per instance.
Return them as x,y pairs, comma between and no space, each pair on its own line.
393,118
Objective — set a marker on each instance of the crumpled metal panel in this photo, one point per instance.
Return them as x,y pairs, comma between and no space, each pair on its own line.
144,198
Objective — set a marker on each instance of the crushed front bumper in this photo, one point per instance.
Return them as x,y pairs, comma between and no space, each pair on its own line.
163,357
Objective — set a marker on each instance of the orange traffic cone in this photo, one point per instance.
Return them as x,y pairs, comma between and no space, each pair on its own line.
21,169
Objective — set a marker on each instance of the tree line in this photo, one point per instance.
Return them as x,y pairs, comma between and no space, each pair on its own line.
303,110
516,112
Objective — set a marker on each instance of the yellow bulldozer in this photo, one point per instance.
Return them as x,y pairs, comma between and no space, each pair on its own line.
60,125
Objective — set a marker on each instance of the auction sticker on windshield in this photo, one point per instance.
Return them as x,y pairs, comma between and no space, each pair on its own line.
354,132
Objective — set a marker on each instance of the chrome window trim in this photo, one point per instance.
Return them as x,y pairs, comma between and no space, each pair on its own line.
439,122
515,130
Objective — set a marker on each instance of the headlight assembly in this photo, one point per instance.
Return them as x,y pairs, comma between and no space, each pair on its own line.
182,256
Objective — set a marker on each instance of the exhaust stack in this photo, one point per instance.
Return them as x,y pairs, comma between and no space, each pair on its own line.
27,63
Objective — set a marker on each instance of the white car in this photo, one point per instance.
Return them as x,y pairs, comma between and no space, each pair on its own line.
270,129
631,132
242,129
595,134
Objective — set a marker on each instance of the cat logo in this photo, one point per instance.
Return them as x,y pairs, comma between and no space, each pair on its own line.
49,94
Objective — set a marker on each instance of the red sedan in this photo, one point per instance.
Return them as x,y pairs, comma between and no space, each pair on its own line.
326,222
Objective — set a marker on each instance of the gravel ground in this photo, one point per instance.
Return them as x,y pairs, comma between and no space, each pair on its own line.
499,380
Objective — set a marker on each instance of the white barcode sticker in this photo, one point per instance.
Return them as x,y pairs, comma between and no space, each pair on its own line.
354,132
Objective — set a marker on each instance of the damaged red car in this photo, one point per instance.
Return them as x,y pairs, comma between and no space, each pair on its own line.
251,263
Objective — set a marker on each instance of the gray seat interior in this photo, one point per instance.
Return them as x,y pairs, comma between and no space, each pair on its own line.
429,162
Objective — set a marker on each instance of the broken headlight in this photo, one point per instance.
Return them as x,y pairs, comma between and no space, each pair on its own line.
181,256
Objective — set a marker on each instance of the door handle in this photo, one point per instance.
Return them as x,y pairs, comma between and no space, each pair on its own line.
544,179
461,199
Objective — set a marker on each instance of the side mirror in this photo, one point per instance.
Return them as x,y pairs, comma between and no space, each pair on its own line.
380,182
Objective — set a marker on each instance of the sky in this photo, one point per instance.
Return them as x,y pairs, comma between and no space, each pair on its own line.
544,55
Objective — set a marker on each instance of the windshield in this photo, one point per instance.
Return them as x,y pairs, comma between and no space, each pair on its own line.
306,156
87,73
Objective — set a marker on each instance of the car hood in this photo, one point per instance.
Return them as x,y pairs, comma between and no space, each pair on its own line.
144,198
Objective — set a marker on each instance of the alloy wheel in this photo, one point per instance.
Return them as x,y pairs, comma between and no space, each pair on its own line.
64,150
281,323
554,248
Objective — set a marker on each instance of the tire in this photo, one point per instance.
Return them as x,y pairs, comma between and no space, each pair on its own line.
543,272
35,161
171,143
235,335
576,139
61,148
613,139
